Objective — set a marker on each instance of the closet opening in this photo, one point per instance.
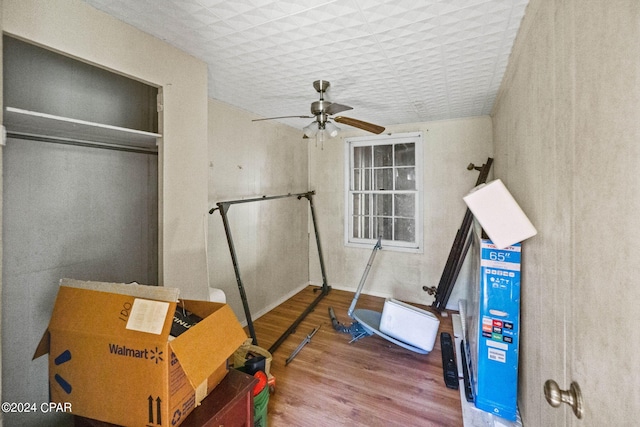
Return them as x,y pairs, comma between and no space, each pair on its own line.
80,193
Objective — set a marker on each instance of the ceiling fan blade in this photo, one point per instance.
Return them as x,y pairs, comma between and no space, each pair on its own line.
334,108
369,127
284,117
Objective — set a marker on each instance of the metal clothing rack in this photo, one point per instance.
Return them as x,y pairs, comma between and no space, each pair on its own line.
460,247
223,207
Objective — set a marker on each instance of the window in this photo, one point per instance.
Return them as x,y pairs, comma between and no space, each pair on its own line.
383,191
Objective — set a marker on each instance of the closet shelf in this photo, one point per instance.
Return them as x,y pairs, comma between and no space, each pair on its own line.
27,123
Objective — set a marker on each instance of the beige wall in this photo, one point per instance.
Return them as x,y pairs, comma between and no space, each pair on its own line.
534,159
449,146
248,160
76,29
567,133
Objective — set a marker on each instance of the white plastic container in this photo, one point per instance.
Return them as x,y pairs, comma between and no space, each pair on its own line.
409,324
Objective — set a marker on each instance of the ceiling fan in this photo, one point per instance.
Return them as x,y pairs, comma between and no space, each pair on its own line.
322,110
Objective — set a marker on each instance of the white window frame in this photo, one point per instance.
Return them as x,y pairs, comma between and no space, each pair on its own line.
400,138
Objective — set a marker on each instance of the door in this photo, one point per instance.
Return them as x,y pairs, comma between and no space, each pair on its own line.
604,340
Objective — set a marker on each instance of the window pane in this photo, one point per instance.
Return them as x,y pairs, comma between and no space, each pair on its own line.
361,227
362,157
382,227
405,229
383,179
362,179
384,190
405,179
405,205
382,204
405,154
360,204
382,155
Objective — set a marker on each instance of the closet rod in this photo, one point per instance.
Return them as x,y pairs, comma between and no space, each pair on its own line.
81,143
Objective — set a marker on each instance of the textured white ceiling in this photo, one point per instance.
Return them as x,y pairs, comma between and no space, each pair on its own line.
393,61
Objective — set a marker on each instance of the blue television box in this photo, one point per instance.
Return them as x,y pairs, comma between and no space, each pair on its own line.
493,335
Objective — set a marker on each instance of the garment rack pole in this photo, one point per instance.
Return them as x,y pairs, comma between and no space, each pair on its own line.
234,259
82,143
223,207
324,290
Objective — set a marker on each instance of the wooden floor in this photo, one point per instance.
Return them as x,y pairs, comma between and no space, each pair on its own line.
370,382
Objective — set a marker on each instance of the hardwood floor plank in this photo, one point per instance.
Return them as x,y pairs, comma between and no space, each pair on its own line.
370,382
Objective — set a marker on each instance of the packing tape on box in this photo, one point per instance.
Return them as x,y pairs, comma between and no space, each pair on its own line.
499,214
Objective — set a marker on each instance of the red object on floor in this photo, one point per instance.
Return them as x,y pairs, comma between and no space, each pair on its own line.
262,382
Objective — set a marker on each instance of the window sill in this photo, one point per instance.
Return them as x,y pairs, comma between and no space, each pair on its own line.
385,246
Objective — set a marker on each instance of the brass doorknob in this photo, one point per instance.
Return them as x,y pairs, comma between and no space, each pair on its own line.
572,397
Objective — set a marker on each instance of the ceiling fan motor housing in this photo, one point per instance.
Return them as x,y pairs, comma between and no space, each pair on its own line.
319,107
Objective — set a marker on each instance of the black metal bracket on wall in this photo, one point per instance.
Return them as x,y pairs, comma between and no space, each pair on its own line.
223,207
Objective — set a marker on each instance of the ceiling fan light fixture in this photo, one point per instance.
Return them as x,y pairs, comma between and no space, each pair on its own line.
331,129
311,129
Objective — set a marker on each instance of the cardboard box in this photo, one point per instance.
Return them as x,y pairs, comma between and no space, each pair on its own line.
494,328
409,324
112,359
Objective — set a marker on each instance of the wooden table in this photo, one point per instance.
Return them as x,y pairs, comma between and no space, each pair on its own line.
230,404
